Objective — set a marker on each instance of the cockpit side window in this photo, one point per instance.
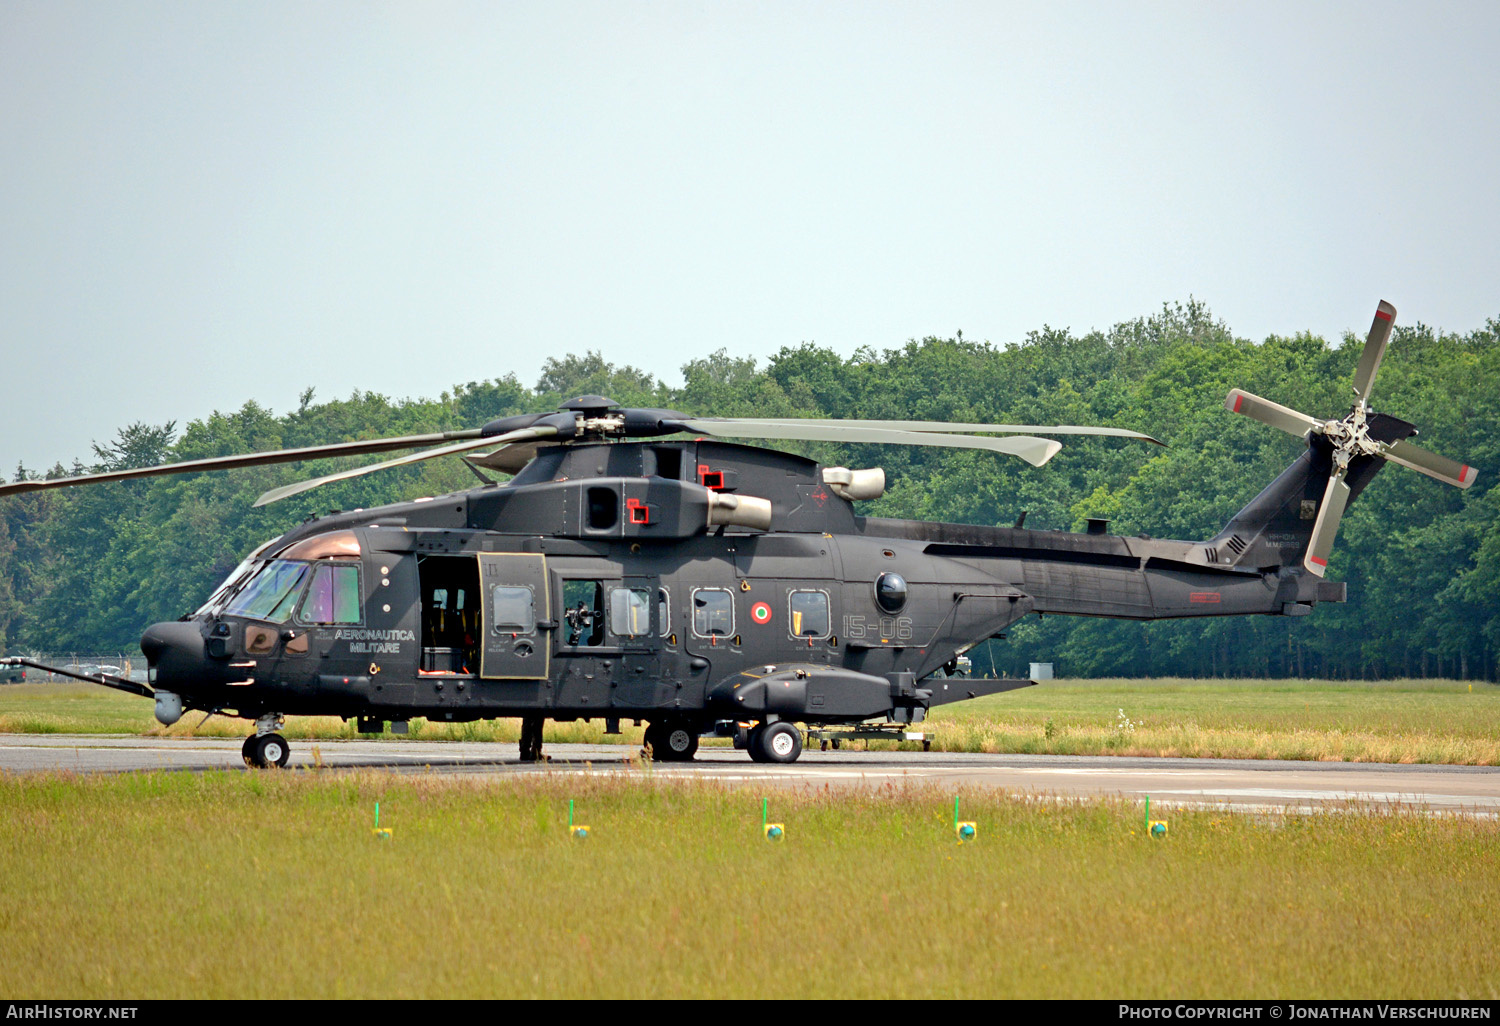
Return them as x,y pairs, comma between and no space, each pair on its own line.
333,595
272,593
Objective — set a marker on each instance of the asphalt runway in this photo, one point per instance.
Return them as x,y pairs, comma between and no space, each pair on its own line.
1233,785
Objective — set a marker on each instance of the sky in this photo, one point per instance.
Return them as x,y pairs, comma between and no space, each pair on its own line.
204,204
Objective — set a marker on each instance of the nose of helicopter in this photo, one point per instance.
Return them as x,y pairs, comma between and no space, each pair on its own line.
175,651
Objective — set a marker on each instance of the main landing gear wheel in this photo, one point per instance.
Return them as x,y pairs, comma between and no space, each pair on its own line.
672,741
262,751
775,742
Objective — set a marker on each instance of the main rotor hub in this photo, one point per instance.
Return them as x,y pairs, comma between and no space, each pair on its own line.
591,406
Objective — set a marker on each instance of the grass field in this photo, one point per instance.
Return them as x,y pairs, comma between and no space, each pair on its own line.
271,885
1392,721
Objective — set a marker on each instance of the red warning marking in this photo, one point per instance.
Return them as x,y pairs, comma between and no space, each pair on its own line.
1318,560
1382,315
640,513
710,479
760,613
1203,596
1463,475
1237,401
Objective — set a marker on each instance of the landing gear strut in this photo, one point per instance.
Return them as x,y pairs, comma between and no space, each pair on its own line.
531,738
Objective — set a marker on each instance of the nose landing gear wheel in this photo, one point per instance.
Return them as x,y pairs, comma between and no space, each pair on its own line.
262,751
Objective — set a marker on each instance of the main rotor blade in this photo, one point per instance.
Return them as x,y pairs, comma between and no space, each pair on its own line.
1035,451
254,459
277,494
1274,414
1369,360
1326,527
1429,463
943,427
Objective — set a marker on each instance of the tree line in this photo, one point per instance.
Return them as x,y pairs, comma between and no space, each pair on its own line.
89,568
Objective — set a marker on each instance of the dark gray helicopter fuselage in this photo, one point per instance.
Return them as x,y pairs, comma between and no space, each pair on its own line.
596,584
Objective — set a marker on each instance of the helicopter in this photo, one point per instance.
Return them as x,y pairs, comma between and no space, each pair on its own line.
704,586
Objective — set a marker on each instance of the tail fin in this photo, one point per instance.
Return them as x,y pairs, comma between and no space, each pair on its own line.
1275,529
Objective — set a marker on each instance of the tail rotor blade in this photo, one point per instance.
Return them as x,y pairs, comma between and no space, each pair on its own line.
1326,527
1369,360
1430,463
1274,414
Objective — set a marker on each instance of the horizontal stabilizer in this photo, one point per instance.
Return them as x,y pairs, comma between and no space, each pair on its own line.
961,689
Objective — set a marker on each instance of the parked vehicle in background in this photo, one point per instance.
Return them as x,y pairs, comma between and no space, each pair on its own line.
12,674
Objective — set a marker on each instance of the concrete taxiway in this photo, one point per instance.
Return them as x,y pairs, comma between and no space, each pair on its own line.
1235,785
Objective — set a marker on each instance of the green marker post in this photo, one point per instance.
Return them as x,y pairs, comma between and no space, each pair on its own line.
385,834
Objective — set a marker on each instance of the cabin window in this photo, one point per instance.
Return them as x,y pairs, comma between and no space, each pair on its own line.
272,593
809,617
333,596
663,608
713,612
515,609
629,612
583,612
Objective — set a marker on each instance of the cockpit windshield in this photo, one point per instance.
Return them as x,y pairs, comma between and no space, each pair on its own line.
233,582
269,590
272,593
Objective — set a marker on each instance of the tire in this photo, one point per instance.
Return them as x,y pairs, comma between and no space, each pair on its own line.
247,750
779,742
268,750
752,743
673,741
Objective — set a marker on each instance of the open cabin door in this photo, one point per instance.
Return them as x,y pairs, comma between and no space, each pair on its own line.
516,610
